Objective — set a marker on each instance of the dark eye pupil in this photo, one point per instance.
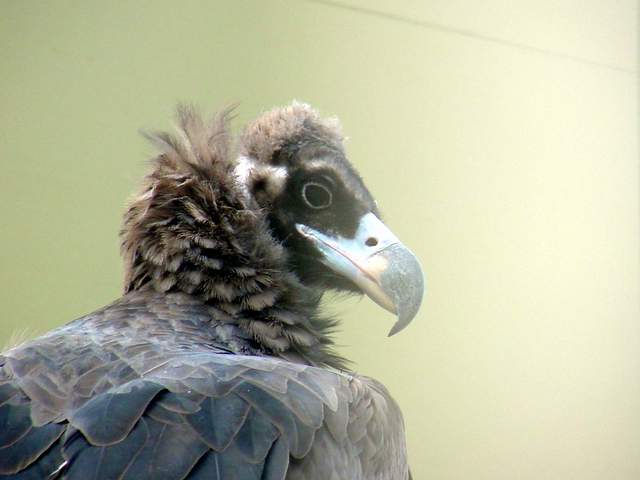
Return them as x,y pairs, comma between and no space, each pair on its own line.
317,196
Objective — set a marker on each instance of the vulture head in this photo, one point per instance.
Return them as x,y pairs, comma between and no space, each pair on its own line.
262,229
294,164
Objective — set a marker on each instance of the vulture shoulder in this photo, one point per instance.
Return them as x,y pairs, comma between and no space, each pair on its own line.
98,399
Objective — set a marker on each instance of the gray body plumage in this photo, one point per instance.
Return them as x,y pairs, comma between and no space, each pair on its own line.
148,388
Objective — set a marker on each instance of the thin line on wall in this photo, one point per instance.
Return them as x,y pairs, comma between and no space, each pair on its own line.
468,33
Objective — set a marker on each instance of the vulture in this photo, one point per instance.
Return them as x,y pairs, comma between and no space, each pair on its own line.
217,361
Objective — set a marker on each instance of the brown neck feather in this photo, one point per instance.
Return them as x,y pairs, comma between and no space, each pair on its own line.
193,229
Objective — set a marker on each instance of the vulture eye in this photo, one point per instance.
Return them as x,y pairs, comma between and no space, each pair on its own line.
316,195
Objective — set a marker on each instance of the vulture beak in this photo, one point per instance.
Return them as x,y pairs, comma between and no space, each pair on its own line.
375,260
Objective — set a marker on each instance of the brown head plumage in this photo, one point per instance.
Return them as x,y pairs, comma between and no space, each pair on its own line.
281,127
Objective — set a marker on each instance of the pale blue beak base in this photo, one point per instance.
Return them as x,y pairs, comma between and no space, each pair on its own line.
375,260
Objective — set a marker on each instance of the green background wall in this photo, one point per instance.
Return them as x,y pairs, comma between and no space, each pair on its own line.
500,139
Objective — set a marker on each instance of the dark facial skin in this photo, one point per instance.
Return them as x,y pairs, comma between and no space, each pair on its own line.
316,195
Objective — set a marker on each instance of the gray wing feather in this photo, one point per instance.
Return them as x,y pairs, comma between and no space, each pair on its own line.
108,397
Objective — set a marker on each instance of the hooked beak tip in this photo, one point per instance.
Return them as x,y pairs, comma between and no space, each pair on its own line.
403,282
389,274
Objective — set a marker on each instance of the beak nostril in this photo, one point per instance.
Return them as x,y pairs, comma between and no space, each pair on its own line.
371,242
